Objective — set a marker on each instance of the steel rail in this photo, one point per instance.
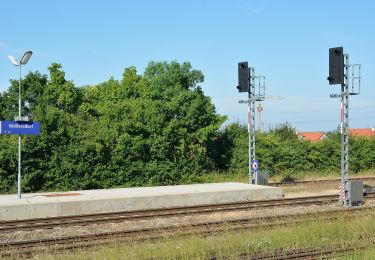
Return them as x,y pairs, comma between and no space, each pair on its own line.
308,253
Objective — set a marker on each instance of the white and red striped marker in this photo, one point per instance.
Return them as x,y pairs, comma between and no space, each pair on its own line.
341,192
248,119
341,117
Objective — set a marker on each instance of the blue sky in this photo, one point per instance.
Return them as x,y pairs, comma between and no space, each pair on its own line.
286,41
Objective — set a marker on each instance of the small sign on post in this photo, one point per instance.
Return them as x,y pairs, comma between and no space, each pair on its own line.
19,128
255,165
254,171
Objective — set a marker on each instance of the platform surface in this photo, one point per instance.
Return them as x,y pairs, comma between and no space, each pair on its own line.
56,204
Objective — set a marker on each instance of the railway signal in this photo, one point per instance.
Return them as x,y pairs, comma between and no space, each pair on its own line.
349,77
243,77
336,66
255,87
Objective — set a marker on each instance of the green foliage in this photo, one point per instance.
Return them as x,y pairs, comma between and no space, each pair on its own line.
280,151
152,129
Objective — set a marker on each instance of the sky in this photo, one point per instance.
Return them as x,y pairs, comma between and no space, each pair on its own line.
287,41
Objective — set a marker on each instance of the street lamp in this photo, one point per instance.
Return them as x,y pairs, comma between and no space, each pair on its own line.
25,58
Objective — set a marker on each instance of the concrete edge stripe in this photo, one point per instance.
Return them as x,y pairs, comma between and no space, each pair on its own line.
0,127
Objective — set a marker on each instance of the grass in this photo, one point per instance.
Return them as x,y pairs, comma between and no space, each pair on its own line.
215,177
299,176
367,254
312,234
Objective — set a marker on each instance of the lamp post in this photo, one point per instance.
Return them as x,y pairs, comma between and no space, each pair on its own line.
25,58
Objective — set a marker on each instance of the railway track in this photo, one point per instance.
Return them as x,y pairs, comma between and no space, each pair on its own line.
82,220
27,248
309,253
291,183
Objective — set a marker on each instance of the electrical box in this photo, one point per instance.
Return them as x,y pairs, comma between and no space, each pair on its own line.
354,192
262,178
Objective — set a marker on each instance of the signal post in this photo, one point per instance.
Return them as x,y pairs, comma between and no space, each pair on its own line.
255,87
349,77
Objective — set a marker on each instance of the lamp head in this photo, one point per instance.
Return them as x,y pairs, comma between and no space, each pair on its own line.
26,57
13,60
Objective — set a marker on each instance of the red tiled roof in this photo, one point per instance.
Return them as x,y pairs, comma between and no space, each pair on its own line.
311,136
368,132
317,136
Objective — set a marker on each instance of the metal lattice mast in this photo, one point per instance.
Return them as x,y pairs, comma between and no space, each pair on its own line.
247,83
339,73
345,125
251,123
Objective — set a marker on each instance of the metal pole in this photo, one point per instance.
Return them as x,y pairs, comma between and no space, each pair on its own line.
252,97
342,191
19,138
249,133
345,129
252,123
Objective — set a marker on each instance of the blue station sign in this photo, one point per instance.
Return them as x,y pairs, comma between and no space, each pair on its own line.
19,128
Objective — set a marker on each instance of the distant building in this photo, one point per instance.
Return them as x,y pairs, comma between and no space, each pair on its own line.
362,132
311,136
317,136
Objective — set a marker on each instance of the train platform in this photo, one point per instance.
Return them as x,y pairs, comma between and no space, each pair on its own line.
58,204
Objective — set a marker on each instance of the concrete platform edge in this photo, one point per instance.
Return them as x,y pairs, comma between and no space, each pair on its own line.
107,205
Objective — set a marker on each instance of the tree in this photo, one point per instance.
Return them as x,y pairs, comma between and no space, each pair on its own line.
61,93
151,129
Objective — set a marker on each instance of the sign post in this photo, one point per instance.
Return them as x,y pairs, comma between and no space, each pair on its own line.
25,58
